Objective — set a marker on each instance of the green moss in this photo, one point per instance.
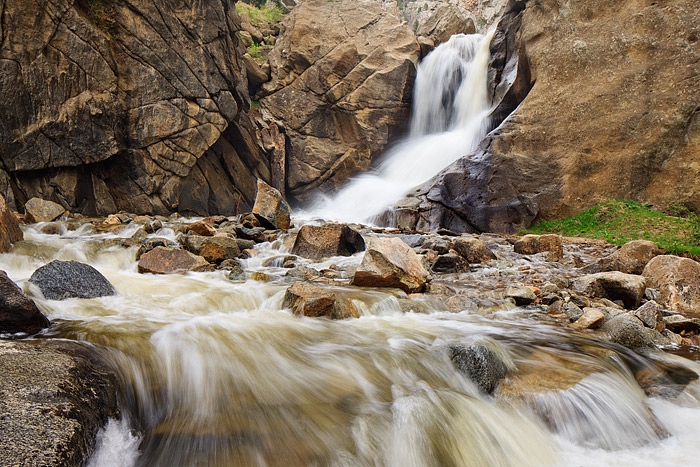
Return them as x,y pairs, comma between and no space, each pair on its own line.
98,15
259,15
621,221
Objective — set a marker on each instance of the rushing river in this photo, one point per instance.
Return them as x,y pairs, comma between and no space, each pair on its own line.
216,373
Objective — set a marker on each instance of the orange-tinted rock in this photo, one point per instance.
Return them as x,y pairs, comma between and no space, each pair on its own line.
473,250
162,260
271,208
308,299
202,228
389,262
592,318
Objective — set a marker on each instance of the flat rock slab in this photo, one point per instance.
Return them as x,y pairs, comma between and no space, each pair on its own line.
55,396
162,260
60,280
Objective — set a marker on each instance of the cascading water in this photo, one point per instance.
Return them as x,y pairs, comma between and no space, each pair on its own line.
450,118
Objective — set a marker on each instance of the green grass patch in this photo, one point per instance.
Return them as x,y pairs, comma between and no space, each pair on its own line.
260,15
622,221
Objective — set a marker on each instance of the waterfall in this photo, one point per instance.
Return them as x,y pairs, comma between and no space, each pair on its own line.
450,117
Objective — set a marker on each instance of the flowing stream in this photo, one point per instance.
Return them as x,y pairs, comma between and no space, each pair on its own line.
450,117
215,372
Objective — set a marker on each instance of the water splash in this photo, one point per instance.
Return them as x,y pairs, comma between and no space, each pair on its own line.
450,118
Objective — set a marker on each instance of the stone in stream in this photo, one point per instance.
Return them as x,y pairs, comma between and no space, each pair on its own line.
630,259
481,364
217,249
572,311
650,315
677,281
680,323
533,244
521,295
317,242
162,260
592,318
308,299
18,313
473,250
60,280
151,243
612,285
10,232
201,228
39,210
450,263
56,395
236,272
628,330
389,262
271,208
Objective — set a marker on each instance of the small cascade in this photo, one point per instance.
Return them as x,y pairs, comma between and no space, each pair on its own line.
450,117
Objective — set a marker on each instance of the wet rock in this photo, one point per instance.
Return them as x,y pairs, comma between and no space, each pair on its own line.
217,249
389,262
303,272
308,299
460,303
580,300
473,250
650,315
52,228
56,396
630,259
162,260
244,244
60,280
522,296
278,261
317,242
450,263
592,318
533,244
572,311
257,234
414,241
673,337
112,219
39,210
677,281
549,288
18,313
151,243
10,232
680,323
439,245
481,364
271,208
260,277
412,306
628,330
236,270
201,228
612,285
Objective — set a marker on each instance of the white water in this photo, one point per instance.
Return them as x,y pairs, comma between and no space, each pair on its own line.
450,118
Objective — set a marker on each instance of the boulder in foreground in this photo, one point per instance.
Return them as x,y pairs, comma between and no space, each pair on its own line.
389,262
10,231
270,207
18,313
60,280
481,364
317,242
162,260
677,281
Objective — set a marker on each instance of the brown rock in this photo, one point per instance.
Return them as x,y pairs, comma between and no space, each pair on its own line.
389,262
10,232
630,259
39,210
473,250
308,299
532,244
318,242
218,249
612,285
270,208
18,313
677,280
201,228
163,260
112,219
592,318
445,21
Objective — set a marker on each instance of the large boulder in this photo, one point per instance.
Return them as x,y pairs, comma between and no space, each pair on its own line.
271,208
677,281
60,280
389,262
308,299
110,106
56,396
612,285
630,259
10,232
219,249
342,80
18,313
40,210
163,260
603,93
317,242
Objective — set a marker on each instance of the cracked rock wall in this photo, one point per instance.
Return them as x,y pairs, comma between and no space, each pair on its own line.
132,105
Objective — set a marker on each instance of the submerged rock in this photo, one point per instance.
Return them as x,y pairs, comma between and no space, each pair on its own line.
481,364
308,299
18,313
612,285
163,260
389,262
271,208
60,280
40,210
677,281
10,231
317,242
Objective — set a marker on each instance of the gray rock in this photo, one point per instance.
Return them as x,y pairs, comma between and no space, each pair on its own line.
18,313
679,323
414,241
572,311
481,364
649,314
60,280
151,243
237,274
628,330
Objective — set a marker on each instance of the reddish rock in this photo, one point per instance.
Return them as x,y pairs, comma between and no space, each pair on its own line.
162,260
592,318
218,249
389,262
202,228
10,231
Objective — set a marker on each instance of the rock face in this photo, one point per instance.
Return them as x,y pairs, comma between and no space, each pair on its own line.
270,208
318,242
606,94
612,285
39,210
108,106
443,22
630,259
18,313
10,231
677,280
389,262
56,396
60,280
162,260
342,79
